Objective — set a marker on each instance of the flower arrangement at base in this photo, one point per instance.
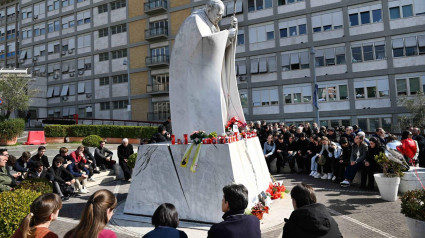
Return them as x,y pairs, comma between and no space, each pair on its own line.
212,135
259,209
235,121
197,136
276,190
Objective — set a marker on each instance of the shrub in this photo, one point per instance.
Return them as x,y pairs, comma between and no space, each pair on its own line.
413,204
14,206
11,128
92,140
56,131
132,160
36,184
58,122
100,130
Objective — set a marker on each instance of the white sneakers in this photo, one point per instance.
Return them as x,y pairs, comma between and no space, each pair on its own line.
312,173
345,183
83,191
333,178
325,176
318,175
330,175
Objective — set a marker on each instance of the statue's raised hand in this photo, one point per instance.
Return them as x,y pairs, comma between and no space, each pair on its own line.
234,23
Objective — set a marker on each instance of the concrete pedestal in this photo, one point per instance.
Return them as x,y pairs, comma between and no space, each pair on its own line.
158,178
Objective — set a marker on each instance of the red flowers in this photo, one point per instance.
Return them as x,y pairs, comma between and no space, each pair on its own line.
235,120
276,190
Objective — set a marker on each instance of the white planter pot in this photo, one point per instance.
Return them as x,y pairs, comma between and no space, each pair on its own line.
416,227
388,187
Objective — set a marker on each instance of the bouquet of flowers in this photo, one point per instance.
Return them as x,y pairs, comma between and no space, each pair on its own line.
212,135
235,121
197,136
259,209
276,190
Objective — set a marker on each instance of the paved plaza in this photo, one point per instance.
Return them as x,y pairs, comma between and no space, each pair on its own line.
358,213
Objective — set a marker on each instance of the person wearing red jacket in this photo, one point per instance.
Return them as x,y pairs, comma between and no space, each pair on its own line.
79,158
409,148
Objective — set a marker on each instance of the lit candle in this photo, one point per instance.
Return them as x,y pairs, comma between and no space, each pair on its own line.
173,139
185,139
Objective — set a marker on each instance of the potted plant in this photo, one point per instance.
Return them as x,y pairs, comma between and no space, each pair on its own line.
10,130
388,181
413,207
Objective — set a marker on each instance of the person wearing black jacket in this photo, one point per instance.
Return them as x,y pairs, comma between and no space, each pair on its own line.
236,224
124,151
309,218
22,164
301,156
370,165
344,160
38,171
63,152
421,143
103,157
161,135
40,156
292,151
281,152
62,179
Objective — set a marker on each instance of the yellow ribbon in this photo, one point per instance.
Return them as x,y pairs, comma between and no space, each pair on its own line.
186,156
195,159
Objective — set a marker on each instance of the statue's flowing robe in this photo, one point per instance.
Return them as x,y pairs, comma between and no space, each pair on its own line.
203,88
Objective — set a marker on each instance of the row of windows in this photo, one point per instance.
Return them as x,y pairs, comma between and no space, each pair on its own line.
122,104
409,46
114,30
122,78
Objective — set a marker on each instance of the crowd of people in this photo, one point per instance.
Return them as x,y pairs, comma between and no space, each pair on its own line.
335,154
309,218
69,172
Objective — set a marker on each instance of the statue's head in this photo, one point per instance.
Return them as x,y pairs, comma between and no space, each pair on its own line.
214,10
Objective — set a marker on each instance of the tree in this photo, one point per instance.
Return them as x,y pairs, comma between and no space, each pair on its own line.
416,107
15,92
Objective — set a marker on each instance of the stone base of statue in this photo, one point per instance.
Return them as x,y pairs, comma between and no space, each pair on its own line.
158,178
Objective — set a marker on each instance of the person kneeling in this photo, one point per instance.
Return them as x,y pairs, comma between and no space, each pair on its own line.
309,219
236,224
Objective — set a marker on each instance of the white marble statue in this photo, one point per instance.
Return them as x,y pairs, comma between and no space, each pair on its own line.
203,88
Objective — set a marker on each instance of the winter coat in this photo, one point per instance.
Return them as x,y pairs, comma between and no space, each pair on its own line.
124,152
236,225
6,181
43,159
269,149
409,148
165,232
60,174
311,221
359,152
21,166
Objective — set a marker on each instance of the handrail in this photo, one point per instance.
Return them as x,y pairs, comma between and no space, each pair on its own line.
84,121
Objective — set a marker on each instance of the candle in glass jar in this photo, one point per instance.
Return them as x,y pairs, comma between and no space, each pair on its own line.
185,139
173,139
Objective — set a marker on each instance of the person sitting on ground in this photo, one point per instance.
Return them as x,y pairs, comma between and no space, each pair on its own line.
236,224
103,157
161,135
343,161
90,158
281,152
292,152
370,165
43,211
63,152
312,153
10,166
269,149
166,220
79,172
358,155
38,171
7,182
40,156
301,156
124,152
96,215
22,164
79,158
309,218
328,155
63,181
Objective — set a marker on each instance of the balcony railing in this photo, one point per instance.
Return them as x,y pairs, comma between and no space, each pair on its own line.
158,116
155,6
157,88
156,33
157,61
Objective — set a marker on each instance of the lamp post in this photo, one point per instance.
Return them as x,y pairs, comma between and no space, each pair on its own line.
315,91
129,88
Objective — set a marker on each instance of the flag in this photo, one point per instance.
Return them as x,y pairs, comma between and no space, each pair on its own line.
315,94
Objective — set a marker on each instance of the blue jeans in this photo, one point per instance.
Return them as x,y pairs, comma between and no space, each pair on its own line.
351,170
313,163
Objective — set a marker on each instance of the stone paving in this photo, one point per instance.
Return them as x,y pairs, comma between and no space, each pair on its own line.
359,213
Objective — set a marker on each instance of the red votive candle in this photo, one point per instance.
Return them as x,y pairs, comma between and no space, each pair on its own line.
173,139
179,141
185,139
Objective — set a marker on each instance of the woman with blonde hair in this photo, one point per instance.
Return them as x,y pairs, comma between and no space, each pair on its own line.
43,211
96,215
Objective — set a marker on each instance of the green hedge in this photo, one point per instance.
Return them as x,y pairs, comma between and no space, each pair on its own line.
92,141
36,184
14,206
413,204
11,128
100,130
